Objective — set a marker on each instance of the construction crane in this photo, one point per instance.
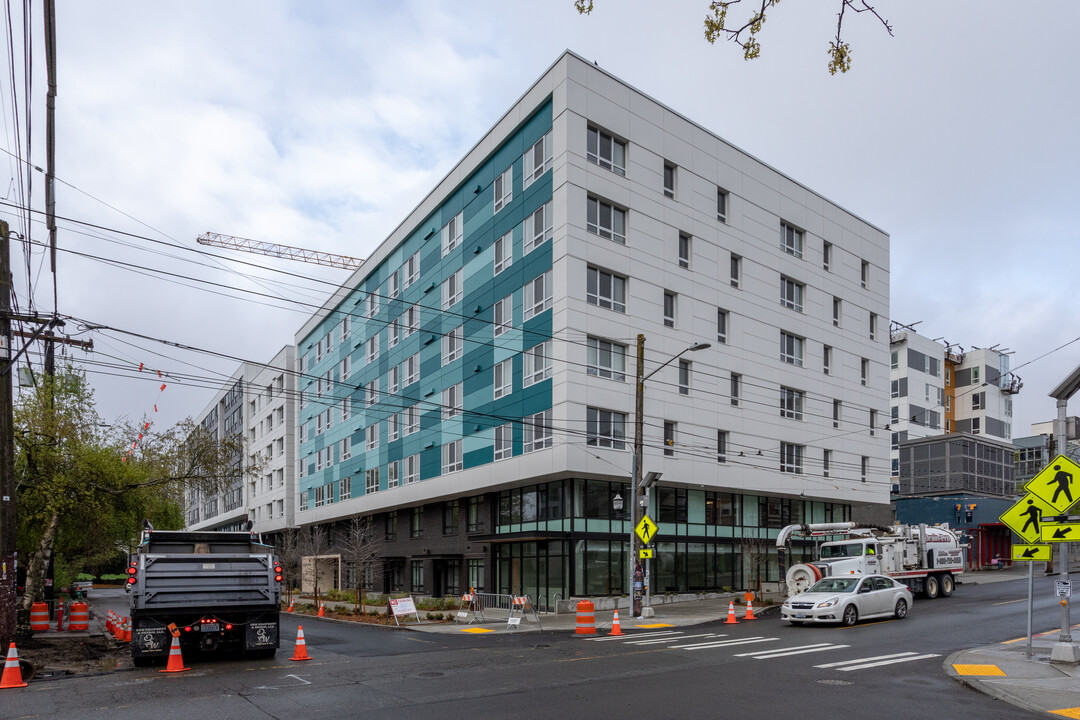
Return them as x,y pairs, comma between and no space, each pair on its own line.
282,251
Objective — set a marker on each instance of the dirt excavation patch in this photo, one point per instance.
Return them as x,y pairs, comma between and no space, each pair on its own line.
52,657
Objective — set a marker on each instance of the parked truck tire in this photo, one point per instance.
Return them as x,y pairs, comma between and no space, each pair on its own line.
947,585
932,588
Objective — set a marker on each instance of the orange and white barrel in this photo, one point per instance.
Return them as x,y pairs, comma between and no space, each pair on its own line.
79,616
586,618
39,617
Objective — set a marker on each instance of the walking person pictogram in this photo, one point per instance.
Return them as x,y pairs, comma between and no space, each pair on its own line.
1033,515
1064,482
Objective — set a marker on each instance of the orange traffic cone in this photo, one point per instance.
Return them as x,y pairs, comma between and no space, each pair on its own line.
108,621
127,630
290,607
322,609
12,677
749,611
616,628
176,660
300,653
731,614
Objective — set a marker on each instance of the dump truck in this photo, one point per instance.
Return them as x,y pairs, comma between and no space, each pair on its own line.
219,592
926,558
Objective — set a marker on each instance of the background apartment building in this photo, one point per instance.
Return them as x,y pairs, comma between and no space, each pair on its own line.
470,388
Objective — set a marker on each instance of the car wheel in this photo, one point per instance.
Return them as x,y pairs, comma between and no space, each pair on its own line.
901,609
947,585
932,587
851,615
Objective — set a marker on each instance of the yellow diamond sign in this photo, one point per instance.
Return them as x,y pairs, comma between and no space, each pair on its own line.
646,529
1025,517
1058,484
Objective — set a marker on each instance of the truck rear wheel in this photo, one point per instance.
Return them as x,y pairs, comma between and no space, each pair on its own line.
947,585
932,587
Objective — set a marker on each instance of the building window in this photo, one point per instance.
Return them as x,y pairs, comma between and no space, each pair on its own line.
393,333
948,375
412,319
451,401
412,469
721,205
948,403
371,306
371,432
864,371
451,345
451,457
537,431
393,287
977,400
452,233
416,522
605,220
346,367
503,315
826,255
504,378
721,326
538,228
684,250
450,517
373,348
791,403
791,349
684,377
537,364
303,501
669,309
895,410
418,576
894,361
504,252
473,524
837,413
721,445
410,419
504,441
791,458
605,151
736,381
371,393
412,368
791,294
791,240
864,273
391,525
605,428
736,270
392,474
826,462
504,188
837,311
826,359
864,467
538,295
605,290
393,379
412,269
536,160
346,448
873,326
669,180
345,488
873,422
606,359
451,290
371,481
669,438
393,427
976,375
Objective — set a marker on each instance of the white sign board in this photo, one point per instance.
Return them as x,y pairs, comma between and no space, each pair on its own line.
403,606
945,558
1063,588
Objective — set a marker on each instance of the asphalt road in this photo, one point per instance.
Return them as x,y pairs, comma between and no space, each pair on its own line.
760,669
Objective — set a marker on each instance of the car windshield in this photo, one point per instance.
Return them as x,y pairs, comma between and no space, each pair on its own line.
835,585
841,551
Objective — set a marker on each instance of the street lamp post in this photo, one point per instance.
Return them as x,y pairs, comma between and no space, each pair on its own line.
638,493
1065,650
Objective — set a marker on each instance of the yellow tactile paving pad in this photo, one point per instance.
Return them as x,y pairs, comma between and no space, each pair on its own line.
985,670
476,630
1067,712
654,625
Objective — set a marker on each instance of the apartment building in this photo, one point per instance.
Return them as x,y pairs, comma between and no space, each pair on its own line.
470,388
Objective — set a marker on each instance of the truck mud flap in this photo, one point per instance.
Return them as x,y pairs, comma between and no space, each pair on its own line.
261,635
150,642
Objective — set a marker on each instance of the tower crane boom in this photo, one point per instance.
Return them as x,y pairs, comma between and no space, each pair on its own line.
282,251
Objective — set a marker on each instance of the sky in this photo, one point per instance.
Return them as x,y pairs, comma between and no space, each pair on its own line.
322,125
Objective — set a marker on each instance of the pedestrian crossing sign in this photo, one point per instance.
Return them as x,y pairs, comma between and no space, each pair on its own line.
646,529
1031,553
1025,517
1058,484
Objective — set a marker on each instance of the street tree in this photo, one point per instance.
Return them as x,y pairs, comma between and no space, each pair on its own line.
719,25
362,550
288,550
314,543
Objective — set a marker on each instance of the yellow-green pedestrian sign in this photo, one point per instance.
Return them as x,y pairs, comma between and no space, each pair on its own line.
1031,552
645,554
1058,484
1060,532
1025,517
646,529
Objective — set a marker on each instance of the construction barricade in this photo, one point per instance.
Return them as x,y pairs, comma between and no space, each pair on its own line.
521,607
79,616
586,618
470,610
39,617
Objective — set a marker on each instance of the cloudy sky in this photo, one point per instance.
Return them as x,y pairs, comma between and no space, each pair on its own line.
322,125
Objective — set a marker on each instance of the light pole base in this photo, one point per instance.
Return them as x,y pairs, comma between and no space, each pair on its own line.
1064,652
648,612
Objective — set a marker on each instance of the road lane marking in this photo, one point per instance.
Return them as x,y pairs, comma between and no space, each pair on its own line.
888,662
784,652
773,650
678,638
1009,602
859,660
722,643
636,635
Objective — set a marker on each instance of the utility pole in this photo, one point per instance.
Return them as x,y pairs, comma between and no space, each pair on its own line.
635,480
7,452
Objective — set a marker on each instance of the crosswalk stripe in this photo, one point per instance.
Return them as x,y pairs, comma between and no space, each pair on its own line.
722,643
657,641
780,652
888,662
636,635
797,647
862,660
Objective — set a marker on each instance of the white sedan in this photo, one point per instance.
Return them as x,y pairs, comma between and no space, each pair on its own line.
848,599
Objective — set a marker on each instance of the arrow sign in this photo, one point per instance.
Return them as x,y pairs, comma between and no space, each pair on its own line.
1060,532
1030,553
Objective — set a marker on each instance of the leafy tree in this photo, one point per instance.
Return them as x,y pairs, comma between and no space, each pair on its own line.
746,35
83,492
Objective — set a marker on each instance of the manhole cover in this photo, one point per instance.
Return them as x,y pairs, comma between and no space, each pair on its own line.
836,682
431,674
